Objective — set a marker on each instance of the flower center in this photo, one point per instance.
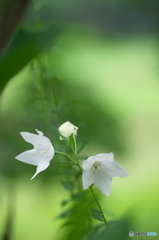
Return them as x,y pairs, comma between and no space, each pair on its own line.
44,151
96,166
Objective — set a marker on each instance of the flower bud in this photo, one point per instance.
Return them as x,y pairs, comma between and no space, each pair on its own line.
66,129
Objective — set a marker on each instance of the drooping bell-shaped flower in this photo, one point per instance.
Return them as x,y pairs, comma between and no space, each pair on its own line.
40,155
99,170
66,129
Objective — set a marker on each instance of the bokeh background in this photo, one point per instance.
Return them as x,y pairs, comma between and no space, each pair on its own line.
95,64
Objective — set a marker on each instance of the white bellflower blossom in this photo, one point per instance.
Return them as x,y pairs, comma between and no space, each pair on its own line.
66,129
99,170
40,155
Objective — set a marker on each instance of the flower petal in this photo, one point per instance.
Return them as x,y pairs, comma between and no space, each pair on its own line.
30,157
87,164
114,169
105,157
41,167
87,178
38,141
39,132
49,155
102,181
67,128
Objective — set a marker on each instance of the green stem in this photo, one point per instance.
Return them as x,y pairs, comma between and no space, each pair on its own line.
55,99
105,221
52,83
78,164
75,155
65,154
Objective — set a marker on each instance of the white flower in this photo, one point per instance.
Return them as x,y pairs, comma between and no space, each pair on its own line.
99,170
66,129
40,155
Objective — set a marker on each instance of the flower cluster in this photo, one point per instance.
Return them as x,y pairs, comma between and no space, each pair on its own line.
98,170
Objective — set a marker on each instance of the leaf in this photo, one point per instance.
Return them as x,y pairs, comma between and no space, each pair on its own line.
72,141
68,185
119,230
10,14
97,214
65,202
80,148
69,171
66,213
25,46
79,196
64,138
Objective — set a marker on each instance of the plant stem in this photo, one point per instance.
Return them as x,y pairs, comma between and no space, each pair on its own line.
78,164
105,221
65,154
55,99
75,156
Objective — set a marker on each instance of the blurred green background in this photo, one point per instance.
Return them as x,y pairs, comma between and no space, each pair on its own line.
95,64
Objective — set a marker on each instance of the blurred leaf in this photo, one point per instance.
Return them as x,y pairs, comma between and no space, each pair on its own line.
119,230
80,148
64,203
66,213
77,219
11,12
69,171
68,185
79,196
96,214
25,46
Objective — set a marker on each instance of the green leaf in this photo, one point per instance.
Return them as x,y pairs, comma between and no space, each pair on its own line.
69,171
64,138
65,202
66,213
25,46
119,230
72,141
79,196
97,214
80,148
68,185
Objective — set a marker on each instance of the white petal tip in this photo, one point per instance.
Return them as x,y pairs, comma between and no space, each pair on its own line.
125,174
106,194
39,132
17,157
32,177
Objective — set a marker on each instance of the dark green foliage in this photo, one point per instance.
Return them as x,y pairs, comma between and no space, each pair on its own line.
66,213
68,185
80,148
78,217
11,12
96,214
118,230
65,202
25,46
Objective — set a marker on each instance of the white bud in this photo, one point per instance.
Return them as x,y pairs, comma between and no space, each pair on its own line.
66,129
